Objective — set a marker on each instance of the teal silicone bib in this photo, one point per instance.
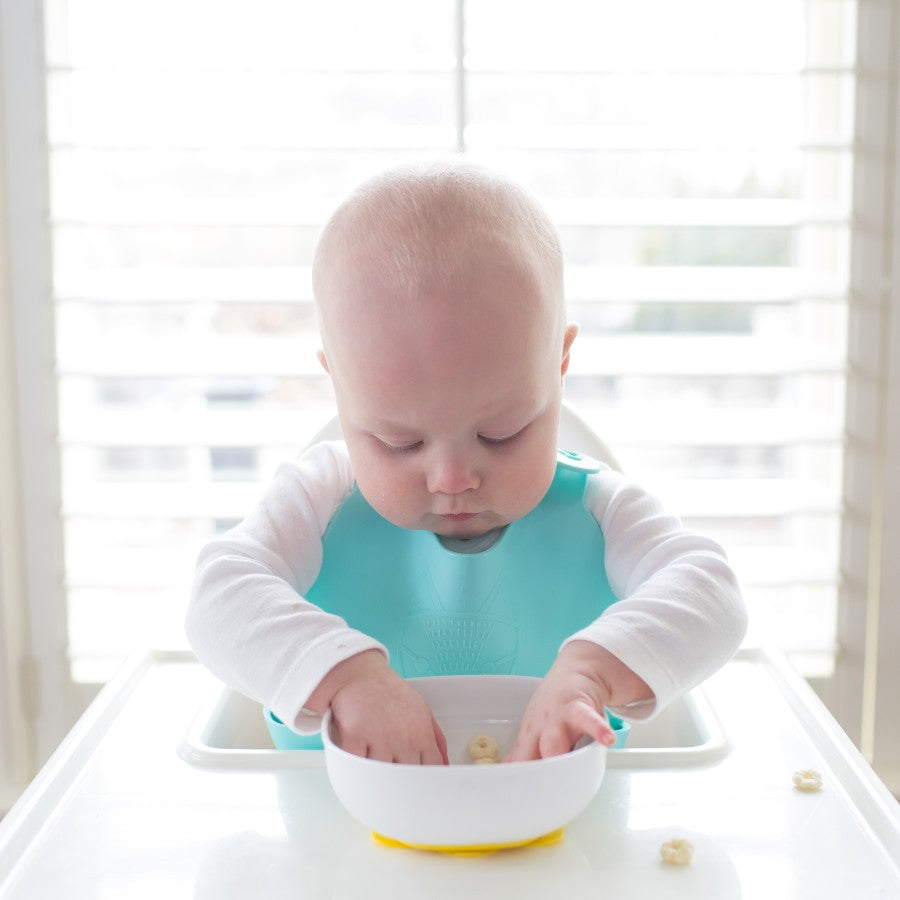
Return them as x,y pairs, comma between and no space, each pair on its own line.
504,610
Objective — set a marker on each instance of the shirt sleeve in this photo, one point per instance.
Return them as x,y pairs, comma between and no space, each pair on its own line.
680,615
247,620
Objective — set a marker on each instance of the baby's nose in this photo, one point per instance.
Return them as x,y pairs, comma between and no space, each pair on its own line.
451,474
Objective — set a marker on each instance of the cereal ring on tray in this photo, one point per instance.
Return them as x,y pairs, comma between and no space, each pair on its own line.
807,780
677,852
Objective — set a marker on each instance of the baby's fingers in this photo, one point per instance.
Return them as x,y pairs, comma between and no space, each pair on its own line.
431,752
583,719
426,745
441,741
560,735
430,749
523,750
551,739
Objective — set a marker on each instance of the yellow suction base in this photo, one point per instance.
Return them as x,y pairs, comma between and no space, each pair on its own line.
475,849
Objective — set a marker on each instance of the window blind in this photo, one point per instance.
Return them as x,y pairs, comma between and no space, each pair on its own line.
697,157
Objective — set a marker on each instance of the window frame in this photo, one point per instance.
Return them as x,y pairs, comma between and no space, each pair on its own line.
32,605
864,692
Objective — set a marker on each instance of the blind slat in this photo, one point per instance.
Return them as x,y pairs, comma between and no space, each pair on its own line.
657,284
613,356
708,499
199,427
263,212
139,568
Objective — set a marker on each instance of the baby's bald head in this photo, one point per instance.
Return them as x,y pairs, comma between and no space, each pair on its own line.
421,234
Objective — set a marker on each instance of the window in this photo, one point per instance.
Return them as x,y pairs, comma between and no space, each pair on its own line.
702,190
698,157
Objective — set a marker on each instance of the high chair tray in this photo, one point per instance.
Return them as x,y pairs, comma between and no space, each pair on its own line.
117,812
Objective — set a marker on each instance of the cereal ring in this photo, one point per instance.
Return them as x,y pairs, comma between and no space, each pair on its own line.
483,746
677,852
485,759
807,780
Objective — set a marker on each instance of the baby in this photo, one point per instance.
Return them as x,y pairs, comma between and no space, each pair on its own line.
439,290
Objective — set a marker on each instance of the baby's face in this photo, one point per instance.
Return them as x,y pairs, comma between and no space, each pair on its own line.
451,411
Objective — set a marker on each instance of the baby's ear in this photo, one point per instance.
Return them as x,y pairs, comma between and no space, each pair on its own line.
320,354
568,338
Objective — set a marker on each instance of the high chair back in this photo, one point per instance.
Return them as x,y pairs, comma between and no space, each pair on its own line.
574,434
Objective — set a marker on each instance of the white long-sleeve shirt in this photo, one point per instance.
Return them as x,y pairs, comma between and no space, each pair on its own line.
678,619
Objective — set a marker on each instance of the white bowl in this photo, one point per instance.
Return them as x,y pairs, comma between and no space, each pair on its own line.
465,805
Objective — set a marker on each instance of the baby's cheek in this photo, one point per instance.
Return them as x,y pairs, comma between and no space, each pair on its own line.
387,495
529,482
401,502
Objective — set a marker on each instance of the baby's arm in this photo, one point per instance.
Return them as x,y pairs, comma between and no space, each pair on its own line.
250,625
678,596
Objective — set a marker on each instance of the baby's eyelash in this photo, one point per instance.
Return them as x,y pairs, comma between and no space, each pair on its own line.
498,442
399,448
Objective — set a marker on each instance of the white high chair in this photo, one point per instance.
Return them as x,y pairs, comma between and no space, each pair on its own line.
574,434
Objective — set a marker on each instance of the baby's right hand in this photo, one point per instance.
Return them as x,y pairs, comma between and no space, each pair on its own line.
378,715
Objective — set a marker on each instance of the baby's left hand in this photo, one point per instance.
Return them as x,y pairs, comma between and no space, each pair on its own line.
571,701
